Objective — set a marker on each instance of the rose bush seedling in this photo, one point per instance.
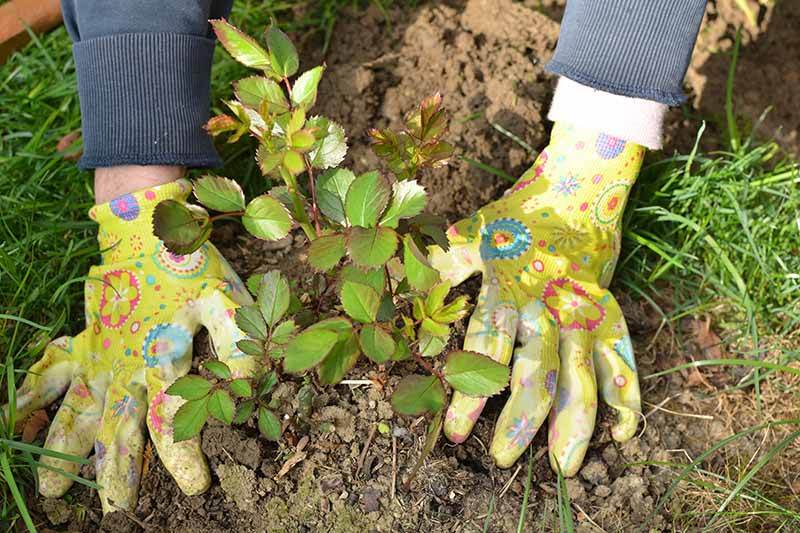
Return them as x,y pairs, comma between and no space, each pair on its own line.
368,238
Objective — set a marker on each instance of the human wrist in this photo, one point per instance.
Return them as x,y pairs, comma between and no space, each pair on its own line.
112,182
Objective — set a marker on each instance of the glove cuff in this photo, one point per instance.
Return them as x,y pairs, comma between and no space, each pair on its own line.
126,222
633,119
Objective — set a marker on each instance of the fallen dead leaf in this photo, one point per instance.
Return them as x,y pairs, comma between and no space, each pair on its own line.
32,425
298,457
709,342
147,457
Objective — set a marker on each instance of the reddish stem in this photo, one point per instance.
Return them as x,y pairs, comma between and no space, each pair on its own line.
313,188
427,366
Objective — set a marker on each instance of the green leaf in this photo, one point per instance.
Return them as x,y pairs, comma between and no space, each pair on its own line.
376,343
283,54
296,121
251,347
189,419
293,162
190,387
332,189
402,351
372,278
436,296
244,411
218,368
419,272
360,301
220,194
249,320
431,345
303,140
256,90
267,218
342,358
371,247
432,226
266,384
183,228
408,200
268,424
307,349
283,332
220,124
325,252
241,47
304,91
252,284
366,199
273,296
332,144
221,407
241,388
432,327
475,374
387,309
416,395
337,324
451,312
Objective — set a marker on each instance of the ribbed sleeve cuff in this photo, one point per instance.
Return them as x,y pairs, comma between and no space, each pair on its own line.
144,100
638,49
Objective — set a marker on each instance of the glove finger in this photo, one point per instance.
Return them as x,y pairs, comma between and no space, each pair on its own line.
218,317
185,459
572,417
49,377
73,431
617,378
463,258
491,331
119,446
533,384
232,284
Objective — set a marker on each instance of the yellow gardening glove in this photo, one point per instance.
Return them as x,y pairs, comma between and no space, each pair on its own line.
143,306
547,251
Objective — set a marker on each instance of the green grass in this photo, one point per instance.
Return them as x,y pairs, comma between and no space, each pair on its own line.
705,233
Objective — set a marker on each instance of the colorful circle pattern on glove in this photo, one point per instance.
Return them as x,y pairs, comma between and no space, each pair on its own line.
119,299
571,305
125,207
164,344
504,238
608,146
609,205
181,266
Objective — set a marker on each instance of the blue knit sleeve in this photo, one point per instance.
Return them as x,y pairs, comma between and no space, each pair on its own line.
144,70
638,48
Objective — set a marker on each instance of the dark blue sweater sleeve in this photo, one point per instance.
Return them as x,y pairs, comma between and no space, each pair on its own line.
144,71
638,48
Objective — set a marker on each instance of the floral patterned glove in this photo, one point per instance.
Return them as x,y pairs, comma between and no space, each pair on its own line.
143,306
547,251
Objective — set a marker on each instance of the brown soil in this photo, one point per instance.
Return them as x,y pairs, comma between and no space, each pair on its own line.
486,57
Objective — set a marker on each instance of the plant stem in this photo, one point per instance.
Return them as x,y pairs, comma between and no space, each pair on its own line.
288,87
427,366
313,188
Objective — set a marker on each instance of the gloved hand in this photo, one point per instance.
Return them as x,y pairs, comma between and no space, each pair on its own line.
143,306
547,251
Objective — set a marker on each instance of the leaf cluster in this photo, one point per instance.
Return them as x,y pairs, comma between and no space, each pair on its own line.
368,238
